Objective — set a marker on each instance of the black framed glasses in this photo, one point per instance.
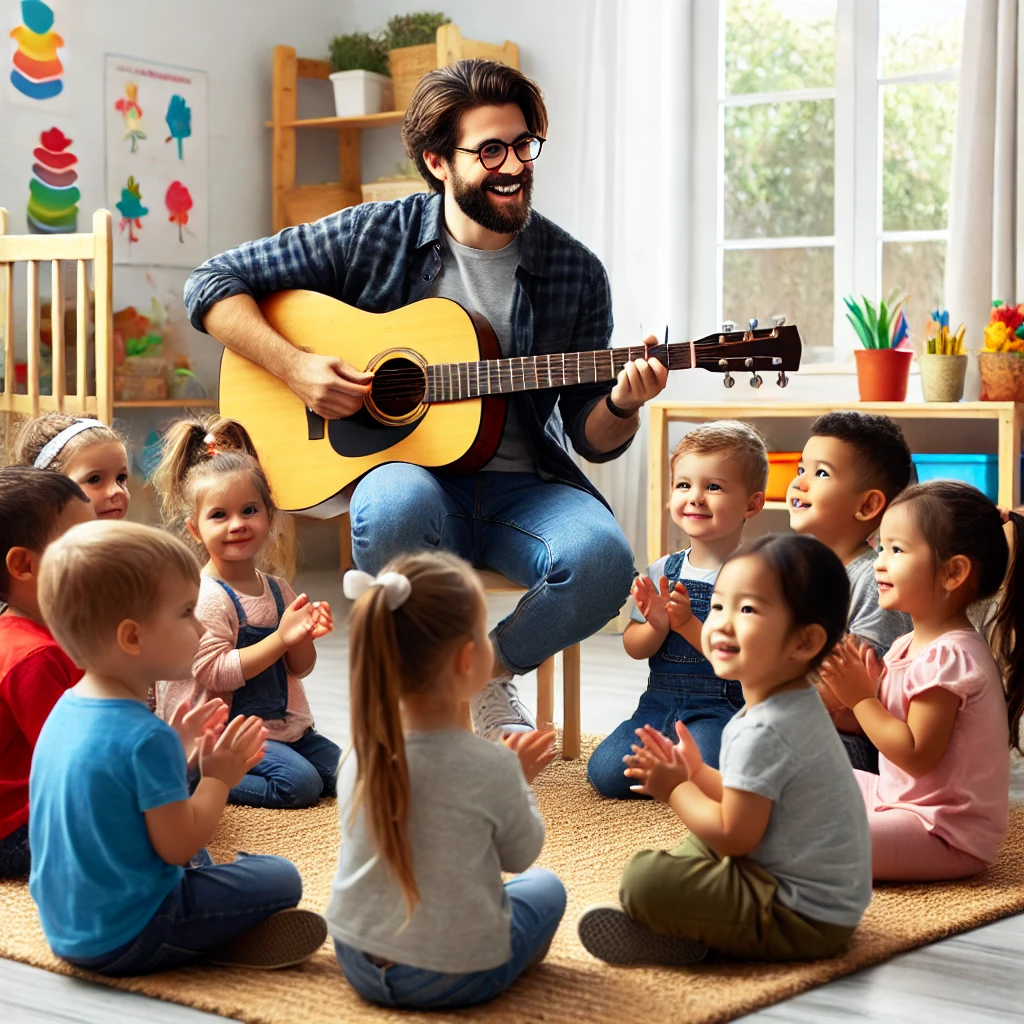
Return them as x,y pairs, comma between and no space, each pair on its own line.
493,153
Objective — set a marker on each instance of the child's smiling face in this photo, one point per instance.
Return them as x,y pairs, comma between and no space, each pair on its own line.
101,470
231,519
710,498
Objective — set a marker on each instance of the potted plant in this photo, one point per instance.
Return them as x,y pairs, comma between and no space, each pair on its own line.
411,41
883,364
1001,360
944,365
361,80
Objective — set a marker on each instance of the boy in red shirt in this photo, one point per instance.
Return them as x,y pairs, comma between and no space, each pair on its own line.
36,507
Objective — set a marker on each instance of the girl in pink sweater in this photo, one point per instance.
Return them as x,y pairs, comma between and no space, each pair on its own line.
938,712
258,643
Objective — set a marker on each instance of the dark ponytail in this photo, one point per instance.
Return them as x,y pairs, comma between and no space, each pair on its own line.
1008,626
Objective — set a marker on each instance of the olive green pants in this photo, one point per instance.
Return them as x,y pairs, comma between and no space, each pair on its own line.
728,903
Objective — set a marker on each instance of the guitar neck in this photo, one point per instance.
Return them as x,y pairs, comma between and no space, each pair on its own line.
452,382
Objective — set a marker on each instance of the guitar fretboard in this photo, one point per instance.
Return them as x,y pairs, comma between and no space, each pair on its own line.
452,382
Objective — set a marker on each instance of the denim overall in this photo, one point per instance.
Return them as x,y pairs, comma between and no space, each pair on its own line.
266,694
682,685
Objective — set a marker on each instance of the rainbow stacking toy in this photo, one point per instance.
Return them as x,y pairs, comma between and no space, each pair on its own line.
53,197
37,70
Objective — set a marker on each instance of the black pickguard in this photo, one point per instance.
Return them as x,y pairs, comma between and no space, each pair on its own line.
360,434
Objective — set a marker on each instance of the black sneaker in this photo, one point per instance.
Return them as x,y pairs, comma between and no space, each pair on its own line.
610,934
282,940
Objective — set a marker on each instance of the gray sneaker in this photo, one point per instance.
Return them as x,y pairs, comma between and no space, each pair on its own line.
610,934
497,709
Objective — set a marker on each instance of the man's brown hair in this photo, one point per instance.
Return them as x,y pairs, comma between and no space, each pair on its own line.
443,96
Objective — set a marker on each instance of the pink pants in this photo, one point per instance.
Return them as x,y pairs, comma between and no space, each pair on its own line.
902,848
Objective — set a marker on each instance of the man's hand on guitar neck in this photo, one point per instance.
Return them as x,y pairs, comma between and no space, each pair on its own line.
329,386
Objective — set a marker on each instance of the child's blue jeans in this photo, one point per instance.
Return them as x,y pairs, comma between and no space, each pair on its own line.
538,903
702,705
291,774
210,906
15,858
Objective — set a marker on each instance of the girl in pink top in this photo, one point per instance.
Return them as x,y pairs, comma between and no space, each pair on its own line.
259,635
938,712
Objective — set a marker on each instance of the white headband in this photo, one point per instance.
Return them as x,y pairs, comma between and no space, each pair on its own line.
397,587
55,445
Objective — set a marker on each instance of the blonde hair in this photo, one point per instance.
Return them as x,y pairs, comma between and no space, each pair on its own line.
34,434
734,440
100,573
200,449
393,654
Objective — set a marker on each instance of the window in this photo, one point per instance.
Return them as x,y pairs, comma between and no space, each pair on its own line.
824,140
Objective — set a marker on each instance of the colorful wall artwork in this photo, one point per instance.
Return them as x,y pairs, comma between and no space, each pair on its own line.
53,195
36,75
145,163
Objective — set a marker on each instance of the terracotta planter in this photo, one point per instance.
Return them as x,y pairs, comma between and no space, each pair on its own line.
882,373
942,377
1002,376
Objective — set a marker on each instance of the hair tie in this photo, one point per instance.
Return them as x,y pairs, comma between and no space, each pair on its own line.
396,586
56,444
211,446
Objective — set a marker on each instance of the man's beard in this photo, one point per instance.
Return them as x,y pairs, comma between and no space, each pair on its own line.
474,203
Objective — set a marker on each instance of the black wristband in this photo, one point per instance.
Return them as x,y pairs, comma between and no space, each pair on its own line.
622,414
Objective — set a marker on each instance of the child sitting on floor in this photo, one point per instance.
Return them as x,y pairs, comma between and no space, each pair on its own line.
852,467
431,814
86,450
777,865
259,635
719,473
36,507
938,714
112,822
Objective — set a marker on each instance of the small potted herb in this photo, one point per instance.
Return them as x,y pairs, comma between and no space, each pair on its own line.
361,79
1001,360
411,41
944,365
883,364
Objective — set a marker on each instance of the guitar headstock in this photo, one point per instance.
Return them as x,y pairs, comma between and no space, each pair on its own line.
773,349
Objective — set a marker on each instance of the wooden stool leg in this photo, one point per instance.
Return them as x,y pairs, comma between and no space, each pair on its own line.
571,702
546,694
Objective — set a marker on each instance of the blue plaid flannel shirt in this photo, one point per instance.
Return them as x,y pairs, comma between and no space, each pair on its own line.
380,256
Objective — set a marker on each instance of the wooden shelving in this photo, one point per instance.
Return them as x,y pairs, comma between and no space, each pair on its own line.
167,403
384,120
1008,418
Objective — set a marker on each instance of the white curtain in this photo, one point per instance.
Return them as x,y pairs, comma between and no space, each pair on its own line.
986,203
634,185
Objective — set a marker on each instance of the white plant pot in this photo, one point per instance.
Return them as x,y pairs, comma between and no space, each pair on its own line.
361,92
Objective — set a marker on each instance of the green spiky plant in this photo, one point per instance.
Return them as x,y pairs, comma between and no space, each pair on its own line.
360,51
884,327
414,29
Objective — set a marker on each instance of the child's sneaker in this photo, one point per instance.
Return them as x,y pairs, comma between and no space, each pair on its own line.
282,940
610,934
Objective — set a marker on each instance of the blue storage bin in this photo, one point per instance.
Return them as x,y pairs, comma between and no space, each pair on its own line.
982,471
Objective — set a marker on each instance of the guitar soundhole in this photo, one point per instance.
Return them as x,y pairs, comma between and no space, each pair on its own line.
399,386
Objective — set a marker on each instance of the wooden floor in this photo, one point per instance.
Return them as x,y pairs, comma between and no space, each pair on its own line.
974,977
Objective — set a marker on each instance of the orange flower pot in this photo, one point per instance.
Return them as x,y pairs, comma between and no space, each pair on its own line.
1002,376
882,373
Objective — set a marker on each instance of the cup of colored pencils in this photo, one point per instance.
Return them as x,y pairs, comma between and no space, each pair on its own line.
944,363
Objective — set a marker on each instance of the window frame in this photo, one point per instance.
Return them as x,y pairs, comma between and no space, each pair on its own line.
858,236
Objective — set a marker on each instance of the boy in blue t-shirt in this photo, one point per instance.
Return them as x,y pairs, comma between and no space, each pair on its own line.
113,826
719,475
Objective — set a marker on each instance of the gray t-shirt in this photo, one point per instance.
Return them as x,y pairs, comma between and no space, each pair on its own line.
472,816
481,281
686,572
877,627
817,844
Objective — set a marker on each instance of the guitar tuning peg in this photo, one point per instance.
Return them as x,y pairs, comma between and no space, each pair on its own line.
728,326
783,380
756,381
728,380
778,320
752,322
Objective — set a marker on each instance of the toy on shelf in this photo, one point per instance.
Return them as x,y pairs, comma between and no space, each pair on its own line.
1001,359
140,372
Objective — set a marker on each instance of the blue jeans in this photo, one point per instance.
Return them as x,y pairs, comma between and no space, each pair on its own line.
558,541
538,903
291,774
15,858
208,907
703,707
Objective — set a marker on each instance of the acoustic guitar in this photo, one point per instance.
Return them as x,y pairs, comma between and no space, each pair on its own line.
438,396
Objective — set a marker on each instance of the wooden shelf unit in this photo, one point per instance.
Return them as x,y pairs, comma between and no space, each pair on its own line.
1008,417
167,403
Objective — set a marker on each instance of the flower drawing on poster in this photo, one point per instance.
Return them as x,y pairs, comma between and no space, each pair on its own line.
36,75
147,165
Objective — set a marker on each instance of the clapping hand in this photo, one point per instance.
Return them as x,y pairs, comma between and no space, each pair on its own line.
192,723
323,620
658,765
535,749
677,605
239,747
851,672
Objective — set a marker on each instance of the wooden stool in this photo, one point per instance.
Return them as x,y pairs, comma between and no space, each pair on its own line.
495,583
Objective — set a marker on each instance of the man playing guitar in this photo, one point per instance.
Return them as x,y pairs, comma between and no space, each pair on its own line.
474,131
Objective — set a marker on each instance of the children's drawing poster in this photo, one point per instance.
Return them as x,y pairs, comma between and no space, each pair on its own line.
157,166
40,35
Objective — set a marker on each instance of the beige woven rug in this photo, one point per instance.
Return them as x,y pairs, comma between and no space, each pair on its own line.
589,841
